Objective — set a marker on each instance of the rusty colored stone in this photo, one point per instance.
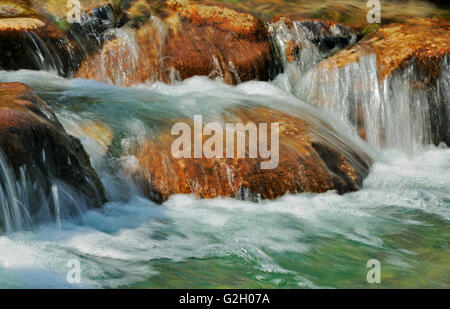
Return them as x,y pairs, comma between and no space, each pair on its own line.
224,18
350,12
184,40
32,138
16,8
19,37
20,24
423,40
59,9
306,164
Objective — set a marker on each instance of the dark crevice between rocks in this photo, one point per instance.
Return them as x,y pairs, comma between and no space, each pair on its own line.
342,181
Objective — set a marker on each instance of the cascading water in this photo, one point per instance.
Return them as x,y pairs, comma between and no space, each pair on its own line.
300,45
443,87
404,111
51,43
40,54
25,202
14,214
134,64
130,57
402,209
400,216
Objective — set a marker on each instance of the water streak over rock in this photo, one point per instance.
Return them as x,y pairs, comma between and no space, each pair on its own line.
392,86
44,172
37,35
302,43
182,40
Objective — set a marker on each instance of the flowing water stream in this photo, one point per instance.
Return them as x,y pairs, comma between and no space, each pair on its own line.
400,217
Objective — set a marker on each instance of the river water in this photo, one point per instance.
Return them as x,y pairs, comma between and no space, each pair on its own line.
400,217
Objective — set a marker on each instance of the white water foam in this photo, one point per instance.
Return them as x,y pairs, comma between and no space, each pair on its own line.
118,245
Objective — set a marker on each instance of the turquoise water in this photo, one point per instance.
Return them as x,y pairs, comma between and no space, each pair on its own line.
400,217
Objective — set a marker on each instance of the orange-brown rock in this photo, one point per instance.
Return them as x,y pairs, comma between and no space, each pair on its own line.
224,18
55,8
59,8
307,163
15,8
423,40
182,40
350,12
39,150
392,85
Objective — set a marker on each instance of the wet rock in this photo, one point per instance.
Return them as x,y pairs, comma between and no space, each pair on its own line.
325,35
95,16
424,41
308,162
37,35
59,9
25,36
180,40
305,42
42,159
349,12
10,8
440,3
393,85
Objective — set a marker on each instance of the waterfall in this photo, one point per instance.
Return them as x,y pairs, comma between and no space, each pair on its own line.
127,55
55,195
54,44
24,200
302,44
131,57
8,197
404,111
40,53
14,213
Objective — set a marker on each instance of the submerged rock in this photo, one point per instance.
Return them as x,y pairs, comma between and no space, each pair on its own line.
393,85
309,161
181,40
44,172
99,132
